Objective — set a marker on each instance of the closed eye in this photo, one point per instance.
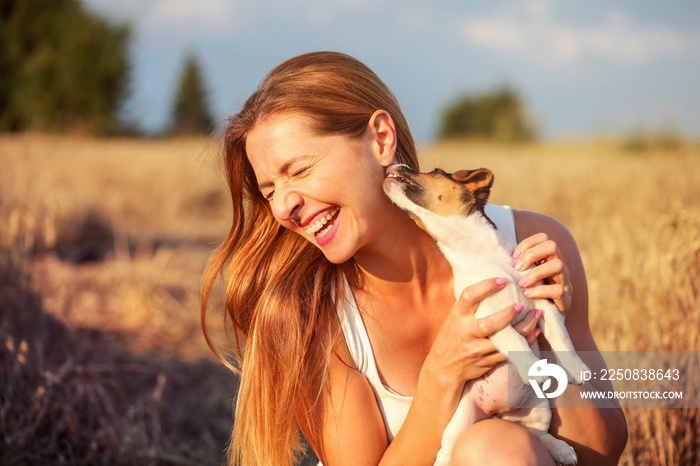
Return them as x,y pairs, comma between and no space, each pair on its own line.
300,171
269,195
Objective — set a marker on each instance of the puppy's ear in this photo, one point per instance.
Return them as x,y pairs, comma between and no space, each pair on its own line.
478,181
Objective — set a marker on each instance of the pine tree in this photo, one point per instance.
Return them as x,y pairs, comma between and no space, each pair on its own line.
190,110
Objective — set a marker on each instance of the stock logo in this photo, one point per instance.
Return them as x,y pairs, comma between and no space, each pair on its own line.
543,369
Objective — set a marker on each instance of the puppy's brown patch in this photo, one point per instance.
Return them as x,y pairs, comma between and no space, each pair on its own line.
440,194
446,194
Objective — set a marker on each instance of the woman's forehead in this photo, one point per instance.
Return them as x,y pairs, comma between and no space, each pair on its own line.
279,136
275,144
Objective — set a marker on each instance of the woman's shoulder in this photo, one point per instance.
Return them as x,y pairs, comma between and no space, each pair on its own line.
528,223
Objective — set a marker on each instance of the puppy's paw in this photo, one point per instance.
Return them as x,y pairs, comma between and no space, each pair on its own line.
560,450
564,454
576,380
574,367
576,374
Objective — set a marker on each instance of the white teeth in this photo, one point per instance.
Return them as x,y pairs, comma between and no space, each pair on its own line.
319,224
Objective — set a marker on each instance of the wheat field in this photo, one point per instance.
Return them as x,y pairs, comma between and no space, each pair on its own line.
103,242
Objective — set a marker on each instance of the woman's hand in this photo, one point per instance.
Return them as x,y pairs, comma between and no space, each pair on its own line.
528,326
549,268
462,349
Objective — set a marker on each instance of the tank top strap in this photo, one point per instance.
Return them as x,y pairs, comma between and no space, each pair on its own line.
502,217
393,406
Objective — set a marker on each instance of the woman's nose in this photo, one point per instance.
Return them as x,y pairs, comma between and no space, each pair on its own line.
286,205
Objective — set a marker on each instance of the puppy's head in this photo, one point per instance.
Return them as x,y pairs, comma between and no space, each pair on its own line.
445,194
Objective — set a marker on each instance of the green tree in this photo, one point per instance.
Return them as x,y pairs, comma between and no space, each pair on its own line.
190,110
61,67
497,115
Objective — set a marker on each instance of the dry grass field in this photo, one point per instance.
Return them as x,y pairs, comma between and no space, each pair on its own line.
102,245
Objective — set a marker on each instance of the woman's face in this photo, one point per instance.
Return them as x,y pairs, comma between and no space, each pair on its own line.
326,188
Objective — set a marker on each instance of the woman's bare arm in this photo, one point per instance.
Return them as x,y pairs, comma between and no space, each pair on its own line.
599,432
353,430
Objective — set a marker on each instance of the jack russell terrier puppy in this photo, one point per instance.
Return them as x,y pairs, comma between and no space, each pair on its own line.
450,207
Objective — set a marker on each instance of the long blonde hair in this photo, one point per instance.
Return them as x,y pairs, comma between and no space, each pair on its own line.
279,286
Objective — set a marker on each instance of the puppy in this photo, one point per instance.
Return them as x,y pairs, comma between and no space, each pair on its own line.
450,207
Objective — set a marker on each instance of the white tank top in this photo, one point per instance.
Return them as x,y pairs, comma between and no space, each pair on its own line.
394,407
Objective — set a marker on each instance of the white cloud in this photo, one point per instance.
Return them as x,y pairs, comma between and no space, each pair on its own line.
207,16
533,32
323,13
173,18
497,33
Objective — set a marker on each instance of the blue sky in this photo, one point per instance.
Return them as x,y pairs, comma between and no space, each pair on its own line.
585,68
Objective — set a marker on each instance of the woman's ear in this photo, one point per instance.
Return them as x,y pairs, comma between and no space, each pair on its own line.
382,136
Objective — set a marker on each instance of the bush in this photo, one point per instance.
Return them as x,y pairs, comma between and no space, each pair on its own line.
497,115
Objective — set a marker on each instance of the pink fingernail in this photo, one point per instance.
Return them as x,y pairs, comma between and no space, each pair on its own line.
538,313
516,254
528,292
519,307
523,281
518,265
501,281
538,332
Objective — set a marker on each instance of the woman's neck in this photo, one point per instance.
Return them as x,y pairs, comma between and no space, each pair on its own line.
404,263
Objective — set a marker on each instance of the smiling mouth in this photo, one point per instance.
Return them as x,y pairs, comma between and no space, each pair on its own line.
323,225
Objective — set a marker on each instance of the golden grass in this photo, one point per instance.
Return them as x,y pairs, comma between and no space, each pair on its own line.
102,247
103,244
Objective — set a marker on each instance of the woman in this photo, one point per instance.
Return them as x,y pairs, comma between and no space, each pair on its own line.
315,244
